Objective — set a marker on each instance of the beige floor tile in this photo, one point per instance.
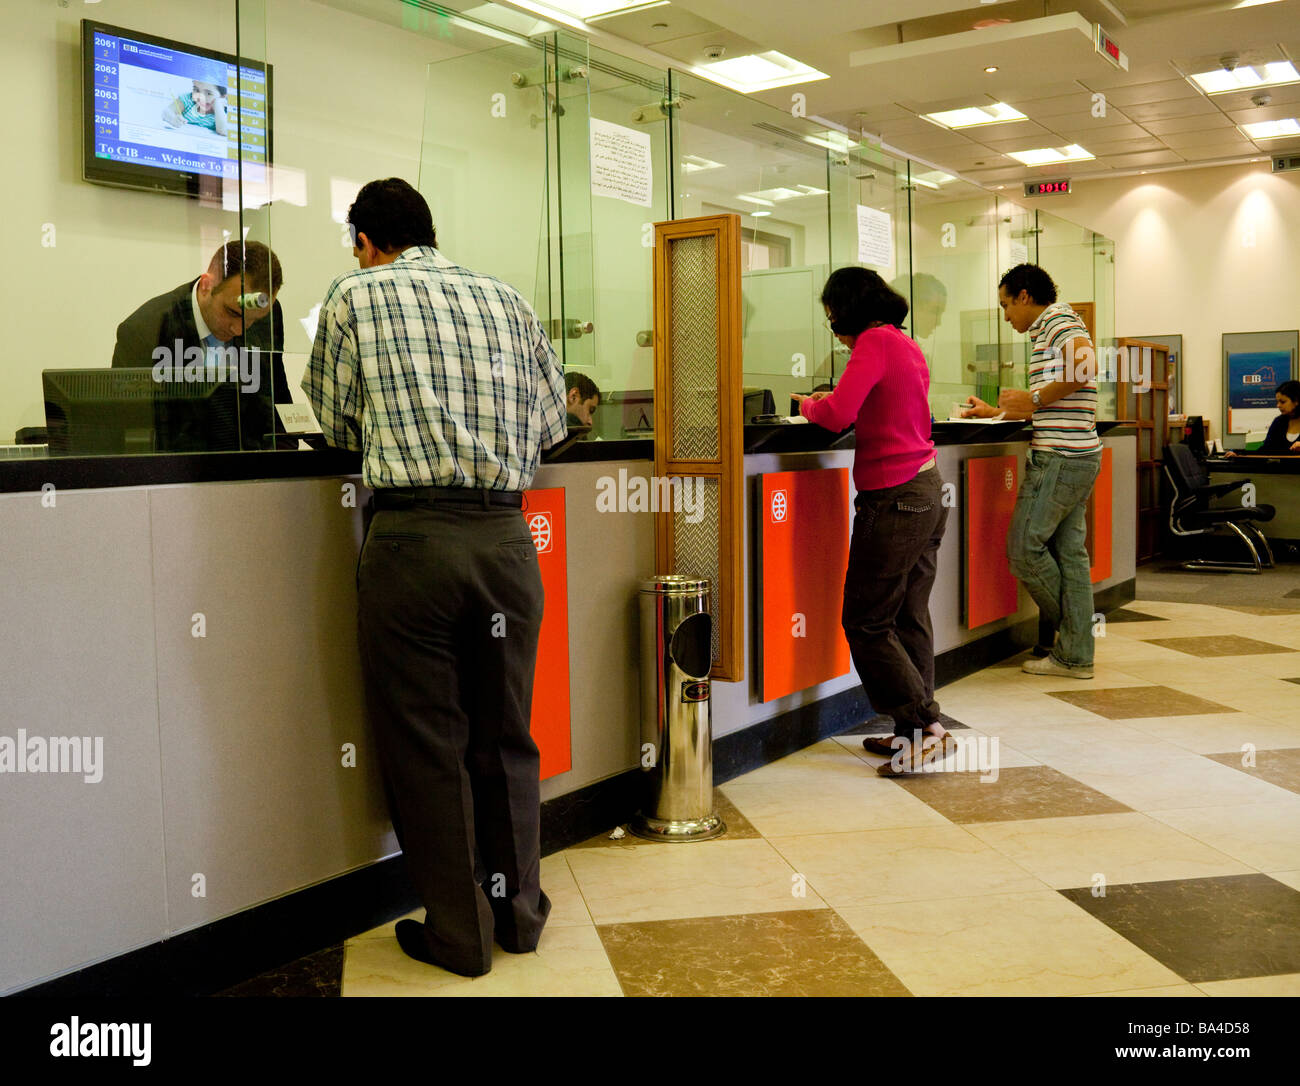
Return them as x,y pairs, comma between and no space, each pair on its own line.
1099,744
1281,665
567,906
1174,990
569,961
1256,694
1028,944
660,881
1219,733
922,864
1287,984
1186,669
822,763
1066,852
1291,878
1011,707
385,931
789,807
1176,783
1264,835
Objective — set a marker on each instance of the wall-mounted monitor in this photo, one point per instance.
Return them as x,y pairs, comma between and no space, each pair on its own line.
163,115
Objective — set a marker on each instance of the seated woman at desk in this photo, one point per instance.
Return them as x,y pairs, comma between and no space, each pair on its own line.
1284,433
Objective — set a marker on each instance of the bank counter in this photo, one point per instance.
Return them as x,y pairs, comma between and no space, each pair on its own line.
192,620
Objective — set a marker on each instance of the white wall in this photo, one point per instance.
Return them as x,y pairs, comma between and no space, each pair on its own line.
1199,253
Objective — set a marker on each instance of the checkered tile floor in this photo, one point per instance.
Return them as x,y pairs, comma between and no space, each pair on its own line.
1136,833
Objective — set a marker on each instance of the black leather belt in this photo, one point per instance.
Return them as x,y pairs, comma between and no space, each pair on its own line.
407,497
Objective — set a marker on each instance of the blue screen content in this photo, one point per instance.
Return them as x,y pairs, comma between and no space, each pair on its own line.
158,106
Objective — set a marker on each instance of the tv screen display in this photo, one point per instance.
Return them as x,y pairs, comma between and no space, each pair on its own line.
163,115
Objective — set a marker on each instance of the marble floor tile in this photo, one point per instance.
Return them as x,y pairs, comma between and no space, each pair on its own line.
1176,783
1258,694
1264,835
917,864
1174,990
1282,665
1218,645
827,760
1099,744
1184,669
569,961
660,881
1219,733
737,828
882,725
1119,848
1018,793
991,708
1205,929
1279,767
1132,614
1291,878
784,808
804,953
1286,984
1026,944
1122,703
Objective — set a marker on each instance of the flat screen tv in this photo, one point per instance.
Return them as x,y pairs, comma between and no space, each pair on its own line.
162,115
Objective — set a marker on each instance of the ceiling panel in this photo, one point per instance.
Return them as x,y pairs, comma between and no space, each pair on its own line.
1120,147
1147,158
1076,102
1209,152
654,26
1199,123
1145,93
1088,134
1180,140
1239,100
1181,107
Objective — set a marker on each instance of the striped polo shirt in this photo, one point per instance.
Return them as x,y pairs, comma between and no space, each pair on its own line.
1069,425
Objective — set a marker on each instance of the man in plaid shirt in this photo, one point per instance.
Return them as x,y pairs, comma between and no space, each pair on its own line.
445,382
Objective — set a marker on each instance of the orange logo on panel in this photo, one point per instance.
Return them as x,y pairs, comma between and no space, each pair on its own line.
540,525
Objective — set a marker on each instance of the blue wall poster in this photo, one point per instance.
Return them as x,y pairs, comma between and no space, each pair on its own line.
1253,377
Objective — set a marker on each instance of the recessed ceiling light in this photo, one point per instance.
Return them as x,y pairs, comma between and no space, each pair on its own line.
832,141
694,163
758,214
1051,156
758,71
972,117
1246,76
991,69
1271,130
756,200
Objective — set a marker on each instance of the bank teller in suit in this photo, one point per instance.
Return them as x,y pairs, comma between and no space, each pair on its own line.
206,312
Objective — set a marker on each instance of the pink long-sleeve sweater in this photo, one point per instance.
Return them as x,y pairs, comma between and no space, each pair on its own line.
884,391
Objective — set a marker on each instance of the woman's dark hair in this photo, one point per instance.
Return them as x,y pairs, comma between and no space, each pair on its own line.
392,215
1291,390
1032,278
857,298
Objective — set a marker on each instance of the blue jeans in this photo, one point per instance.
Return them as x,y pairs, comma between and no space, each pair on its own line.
1046,547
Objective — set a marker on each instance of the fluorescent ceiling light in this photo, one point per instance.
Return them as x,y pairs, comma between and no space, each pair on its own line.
997,113
1271,130
933,179
1050,156
771,196
756,200
758,214
1253,3
694,163
832,141
758,71
556,12
606,8
496,21
1247,76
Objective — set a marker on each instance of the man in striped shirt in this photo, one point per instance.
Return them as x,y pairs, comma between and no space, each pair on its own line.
444,381
1046,542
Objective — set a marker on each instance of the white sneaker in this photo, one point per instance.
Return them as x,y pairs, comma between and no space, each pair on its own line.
1049,665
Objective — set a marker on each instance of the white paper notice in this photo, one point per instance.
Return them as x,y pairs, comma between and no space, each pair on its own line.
620,163
875,237
1019,254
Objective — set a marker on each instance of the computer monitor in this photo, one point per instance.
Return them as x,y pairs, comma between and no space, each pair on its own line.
635,409
1194,435
116,412
758,401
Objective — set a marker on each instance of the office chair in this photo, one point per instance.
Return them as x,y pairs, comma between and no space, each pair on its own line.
1191,513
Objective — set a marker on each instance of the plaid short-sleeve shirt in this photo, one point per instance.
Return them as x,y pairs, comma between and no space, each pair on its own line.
440,376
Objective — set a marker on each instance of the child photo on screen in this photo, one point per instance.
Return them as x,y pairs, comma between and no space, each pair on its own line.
204,106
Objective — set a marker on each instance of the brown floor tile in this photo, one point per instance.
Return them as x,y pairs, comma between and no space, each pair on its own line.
1019,793
1131,702
810,952
738,828
1218,645
1248,610
1280,767
319,974
1125,615
1205,929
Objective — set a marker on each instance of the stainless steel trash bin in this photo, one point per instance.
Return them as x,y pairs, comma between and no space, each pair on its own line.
676,731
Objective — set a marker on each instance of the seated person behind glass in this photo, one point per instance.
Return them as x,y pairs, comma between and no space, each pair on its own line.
204,106
204,314
582,397
1284,432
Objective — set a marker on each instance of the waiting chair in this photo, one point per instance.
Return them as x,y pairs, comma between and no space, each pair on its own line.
1191,513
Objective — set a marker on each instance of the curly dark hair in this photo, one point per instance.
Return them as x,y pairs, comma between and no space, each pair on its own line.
857,297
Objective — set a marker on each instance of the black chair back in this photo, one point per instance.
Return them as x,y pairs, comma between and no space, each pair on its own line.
1186,472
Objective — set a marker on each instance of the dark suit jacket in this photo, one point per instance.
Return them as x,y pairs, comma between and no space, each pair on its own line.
161,321
1276,444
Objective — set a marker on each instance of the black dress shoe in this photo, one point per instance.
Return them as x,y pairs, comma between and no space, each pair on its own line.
410,937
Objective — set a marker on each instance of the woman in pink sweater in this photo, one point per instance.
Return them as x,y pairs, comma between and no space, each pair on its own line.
900,516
